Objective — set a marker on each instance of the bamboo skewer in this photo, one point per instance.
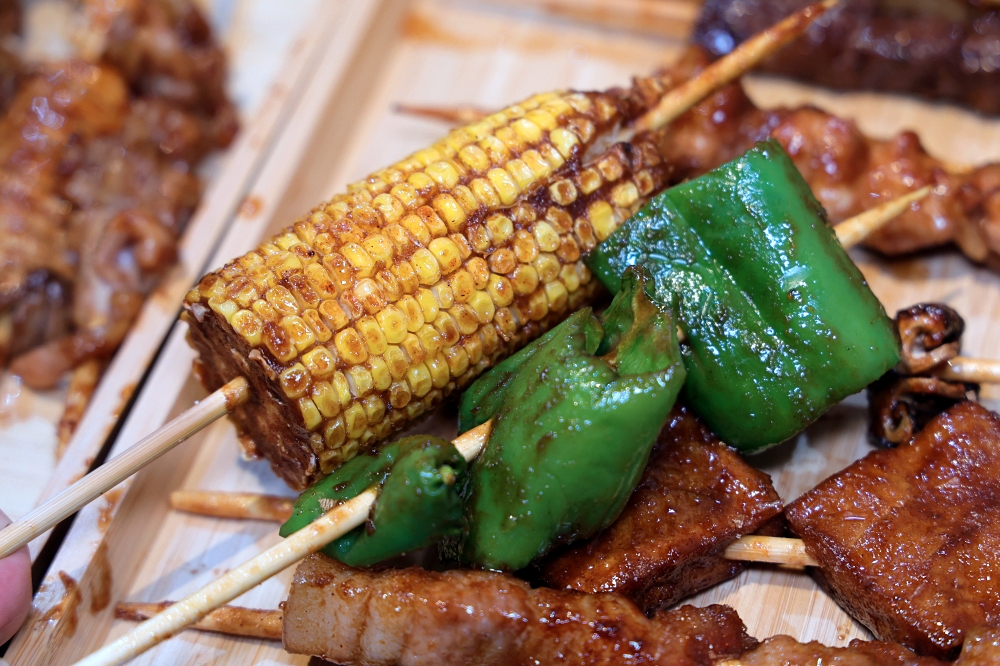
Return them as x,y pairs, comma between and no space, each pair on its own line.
233,620
852,231
121,467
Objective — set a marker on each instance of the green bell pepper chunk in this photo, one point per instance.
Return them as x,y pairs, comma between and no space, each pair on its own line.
576,414
418,500
780,324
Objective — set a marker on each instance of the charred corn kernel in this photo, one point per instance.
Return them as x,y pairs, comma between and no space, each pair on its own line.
443,173
496,150
585,232
249,326
320,280
447,254
503,261
310,414
419,379
491,341
547,237
356,420
560,220
602,217
625,194
569,250
300,334
540,168
465,318
466,199
479,238
505,186
400,394
590,180
426,266
525,247
564,140
547,266
350,346
397,361
393,322
379,247
485,193
584,128
294,381
446,326
278,342
462,285
379,369
324,396
505,323
644,182
538,305
264,310
416,227
360,381
412,348
474,157
319,362
483,306
420,181
610,167
369,295
335,433
371,332
363,263
500,227
500,290
474,348
479,270
450,211
404,272
522,174
374,408
430,339
525,279
333,315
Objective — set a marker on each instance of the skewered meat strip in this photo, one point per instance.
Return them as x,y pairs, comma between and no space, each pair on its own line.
939,50
907,538
354,617
695,497
785,651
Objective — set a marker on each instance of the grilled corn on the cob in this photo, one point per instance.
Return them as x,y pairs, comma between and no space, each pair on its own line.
369,311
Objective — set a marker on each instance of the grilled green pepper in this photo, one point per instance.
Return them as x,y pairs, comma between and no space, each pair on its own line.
780,324
418,500
576,414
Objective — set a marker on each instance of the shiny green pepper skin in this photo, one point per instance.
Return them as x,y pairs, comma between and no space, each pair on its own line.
418,501
780,324
576,414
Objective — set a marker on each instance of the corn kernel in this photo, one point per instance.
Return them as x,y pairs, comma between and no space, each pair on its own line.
419,379
590,180
374,408
351,346
325,398
429,307
462,285
547,237
294,381
371,333
485,193
482,304
585,232
537,306
447,254
465,318
310,414
610,167
429,338
569,277
420,181
369,295
503,261
474,348
320,280
279,343
405,196
249,326
396,360
474,157
500,290
417,229
506,323
265,311
446,326
479,270
526,130
407,276
413,349
491,341
496,149
285,241
362,262
281,300
449,209
379,247
299,334
284,263
457,359
525,246
356,420
605,108
427,156
319,362
525,279
504,184
569,250
380,373
557,294
547,266
444,295
521,173
433,222
443,173
334,434
564,141
500,227
427,267
479,237
542,119
466,199
625,194
359,380
584,128
437,365
399,395
393,322
340,269
602,217
510,139
333,315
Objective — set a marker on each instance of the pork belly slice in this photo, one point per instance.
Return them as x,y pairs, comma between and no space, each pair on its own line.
785,651
695,498
412,616
908,539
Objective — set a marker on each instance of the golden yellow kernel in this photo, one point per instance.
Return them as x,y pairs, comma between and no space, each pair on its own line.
319,362
419,379
466,199
294,381
396,360
420,181
504,184
282,300
248,325
416,228
496,149
286,240
340,269
380,373
427,267
557,106
540,168
525,279
569,250
521,173
465,318
547,237
393,322
438,367
351,346
430,339
474,348
243,292
443,173
583,272
374,408
447,254
590,179
569,277
537,306
500,228
491,341
500,290
371,333
433,222
479,271
564,141
263,277
362,262
547,266
457,359
325,398
429,308
379,247
300,335
444,295
557,295
454,141
192,296
584,128
525,246
610,167
310,414
356,420
602,218
369,295
474,157
404,272
644,182
542,119
450,210
427,156
334,434
399,395
563,192
625,194
483,306
406,195
585,232
551,155
413,349
560,220
479,238
527,131
366,214
485,193
360,380
333,314
447,327
320,280
506,323
279,343
462,285
503,261
342,387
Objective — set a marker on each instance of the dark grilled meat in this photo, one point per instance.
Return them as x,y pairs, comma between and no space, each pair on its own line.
944,50
695,498
907,538
411,616
786,651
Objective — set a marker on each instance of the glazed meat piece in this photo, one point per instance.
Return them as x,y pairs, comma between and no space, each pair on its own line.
695,498
907,538
939,50
786,651
412,616
981,648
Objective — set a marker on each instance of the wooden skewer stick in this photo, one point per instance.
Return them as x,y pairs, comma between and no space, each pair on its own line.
334,524
247,506
971,370
116,470
852,231
234,620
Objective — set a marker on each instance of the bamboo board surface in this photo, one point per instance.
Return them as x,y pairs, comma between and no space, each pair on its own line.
130,546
